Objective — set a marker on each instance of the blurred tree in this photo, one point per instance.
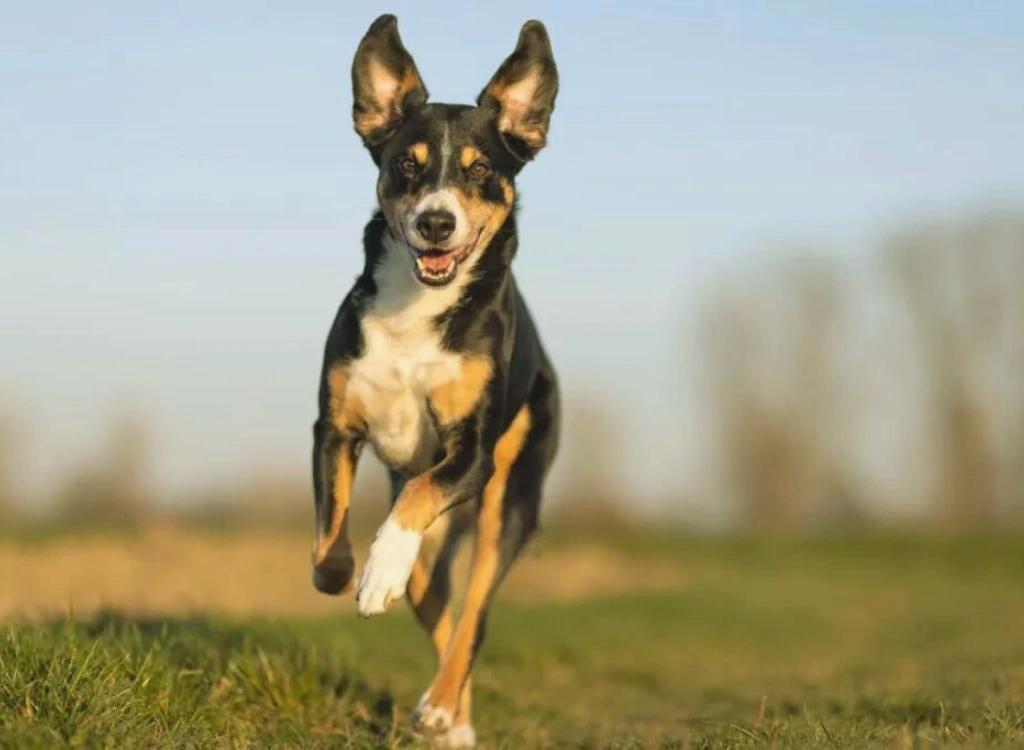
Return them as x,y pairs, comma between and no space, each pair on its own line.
963,284
769,346
589,454
113,491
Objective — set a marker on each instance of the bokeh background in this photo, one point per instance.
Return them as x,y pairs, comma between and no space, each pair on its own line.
776,253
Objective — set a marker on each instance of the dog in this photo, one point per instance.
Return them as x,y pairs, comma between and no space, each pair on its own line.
433,358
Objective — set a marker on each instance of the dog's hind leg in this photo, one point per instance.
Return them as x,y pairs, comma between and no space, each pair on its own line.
429,587
506,520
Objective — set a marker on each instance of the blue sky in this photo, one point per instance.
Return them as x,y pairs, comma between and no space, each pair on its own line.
182,192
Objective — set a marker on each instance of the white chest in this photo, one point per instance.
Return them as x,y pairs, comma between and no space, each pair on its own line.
392,381
403,360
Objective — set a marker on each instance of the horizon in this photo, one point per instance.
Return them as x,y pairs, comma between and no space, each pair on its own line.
185,198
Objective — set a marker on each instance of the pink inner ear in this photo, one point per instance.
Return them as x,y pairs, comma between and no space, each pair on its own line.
516,100
383,82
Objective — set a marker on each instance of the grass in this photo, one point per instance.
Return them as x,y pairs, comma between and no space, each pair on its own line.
771,643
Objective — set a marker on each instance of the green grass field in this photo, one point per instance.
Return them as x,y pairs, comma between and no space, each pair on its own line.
832,644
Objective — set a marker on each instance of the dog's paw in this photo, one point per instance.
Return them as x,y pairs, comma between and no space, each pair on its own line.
462,736
432,721
388,567
334,576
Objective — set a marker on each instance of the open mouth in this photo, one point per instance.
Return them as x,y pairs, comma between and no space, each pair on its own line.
437,267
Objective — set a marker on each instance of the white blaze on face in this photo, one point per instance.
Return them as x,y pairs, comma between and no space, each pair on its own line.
442,200
446,154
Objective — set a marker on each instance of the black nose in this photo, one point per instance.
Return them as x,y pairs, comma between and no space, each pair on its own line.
435,226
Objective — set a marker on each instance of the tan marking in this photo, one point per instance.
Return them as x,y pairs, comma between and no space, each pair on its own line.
410,81
433,613
420,152
497,89
369,122
447,690
463,715
377,111
432,547
441,635
419,504
484,214
432,606
340,498
469,155
387,93
455,399
346,415
515,99
419,582
346,409
434,616
422,500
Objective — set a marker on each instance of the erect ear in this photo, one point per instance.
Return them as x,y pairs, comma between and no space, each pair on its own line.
522,92
386,86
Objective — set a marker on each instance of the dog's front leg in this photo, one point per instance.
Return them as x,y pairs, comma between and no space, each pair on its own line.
335,455
458,478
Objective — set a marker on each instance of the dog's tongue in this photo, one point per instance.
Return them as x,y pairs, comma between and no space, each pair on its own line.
436,262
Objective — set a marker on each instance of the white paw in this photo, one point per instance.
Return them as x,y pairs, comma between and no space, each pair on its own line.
388,568
462,736
435,724
431,720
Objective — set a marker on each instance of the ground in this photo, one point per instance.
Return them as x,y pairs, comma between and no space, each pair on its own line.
728,643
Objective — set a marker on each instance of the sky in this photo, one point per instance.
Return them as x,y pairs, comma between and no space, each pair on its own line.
182,193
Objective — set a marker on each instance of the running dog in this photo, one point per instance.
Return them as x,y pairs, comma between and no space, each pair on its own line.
434,360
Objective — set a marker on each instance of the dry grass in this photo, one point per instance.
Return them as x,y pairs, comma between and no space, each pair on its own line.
168,571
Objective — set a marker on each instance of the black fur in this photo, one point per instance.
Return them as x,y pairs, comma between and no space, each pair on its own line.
490,316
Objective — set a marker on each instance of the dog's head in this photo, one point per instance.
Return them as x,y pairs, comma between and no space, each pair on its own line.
447,172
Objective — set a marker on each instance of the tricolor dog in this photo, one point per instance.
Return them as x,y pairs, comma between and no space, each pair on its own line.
433,358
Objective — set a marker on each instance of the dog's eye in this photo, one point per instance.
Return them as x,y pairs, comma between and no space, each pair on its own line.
479,169
407,165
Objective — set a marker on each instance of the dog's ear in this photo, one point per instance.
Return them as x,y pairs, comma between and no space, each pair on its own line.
522,93
386,87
